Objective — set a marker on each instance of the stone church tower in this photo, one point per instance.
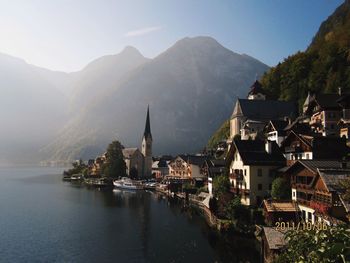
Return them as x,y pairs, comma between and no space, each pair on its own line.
146,148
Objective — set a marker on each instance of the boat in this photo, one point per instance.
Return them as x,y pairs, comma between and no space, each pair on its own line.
76,177
98,182
72,178
127,183
150,186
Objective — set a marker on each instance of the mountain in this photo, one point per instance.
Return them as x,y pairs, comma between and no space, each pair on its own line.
191,88
32,109
323,67
102,74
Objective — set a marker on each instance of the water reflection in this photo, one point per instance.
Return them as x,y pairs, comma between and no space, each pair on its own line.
60,221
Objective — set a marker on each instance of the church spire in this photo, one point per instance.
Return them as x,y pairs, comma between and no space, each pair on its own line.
147,132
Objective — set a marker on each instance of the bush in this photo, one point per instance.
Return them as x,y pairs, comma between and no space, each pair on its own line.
221,185
281,189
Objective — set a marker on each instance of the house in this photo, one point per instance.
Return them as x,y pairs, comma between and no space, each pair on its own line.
324,112
134,162
252,166
344,122
315,188
250,115
212,168
280,211
96,169
188,167
160,168
313,147
275,130
272,242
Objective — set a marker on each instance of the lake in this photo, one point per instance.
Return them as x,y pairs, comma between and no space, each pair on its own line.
44,219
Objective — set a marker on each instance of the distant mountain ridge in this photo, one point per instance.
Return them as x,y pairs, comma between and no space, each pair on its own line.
190,87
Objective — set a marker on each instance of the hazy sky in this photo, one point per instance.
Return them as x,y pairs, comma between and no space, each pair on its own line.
67,34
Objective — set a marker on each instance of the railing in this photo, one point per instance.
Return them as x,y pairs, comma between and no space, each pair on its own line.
239,191
292,149
238,177
303,201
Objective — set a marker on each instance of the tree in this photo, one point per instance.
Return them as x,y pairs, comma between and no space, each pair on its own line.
317,245
345,184
221,185
115,165
281,189
236,211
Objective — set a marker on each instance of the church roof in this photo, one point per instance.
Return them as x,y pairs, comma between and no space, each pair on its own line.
147,132
256,88
264,109
128,152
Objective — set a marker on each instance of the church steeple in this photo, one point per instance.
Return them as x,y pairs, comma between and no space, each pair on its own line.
146,147
147,132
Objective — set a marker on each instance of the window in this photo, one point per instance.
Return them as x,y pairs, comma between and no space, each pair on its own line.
307,156
259,172
293,194
259,186
245,171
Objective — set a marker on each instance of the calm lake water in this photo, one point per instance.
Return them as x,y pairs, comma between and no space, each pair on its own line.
44,219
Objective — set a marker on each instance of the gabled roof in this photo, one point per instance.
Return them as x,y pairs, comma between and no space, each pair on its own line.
324,101
256,88
298,126
313,165
277,125
279,206
128,152
253,152
333,177
264,109
322,147
275,239
194,159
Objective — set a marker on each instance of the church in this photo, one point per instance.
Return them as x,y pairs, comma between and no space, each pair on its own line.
139,163
251,115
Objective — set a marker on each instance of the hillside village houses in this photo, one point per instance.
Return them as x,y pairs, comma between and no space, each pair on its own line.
268,139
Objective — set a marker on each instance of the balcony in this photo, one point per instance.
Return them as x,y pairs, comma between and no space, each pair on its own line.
303,202
293,149
238,177
239,191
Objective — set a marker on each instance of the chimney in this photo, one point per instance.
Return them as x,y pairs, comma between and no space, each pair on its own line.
268,146
339,91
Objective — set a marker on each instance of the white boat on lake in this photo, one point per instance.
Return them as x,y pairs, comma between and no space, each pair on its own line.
127,183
